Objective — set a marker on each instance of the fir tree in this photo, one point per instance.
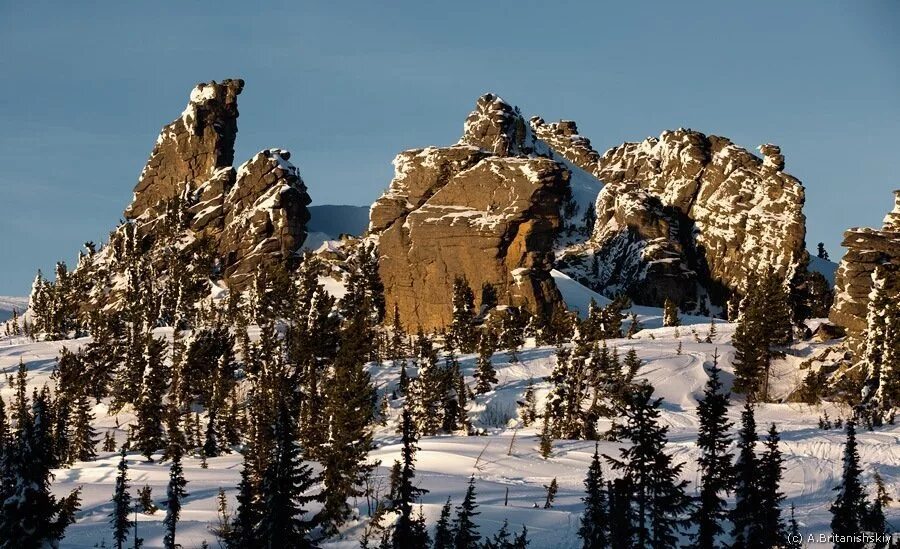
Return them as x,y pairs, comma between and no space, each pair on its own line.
657,495
484,370
405,494
821,253
30,515
443,532
670,314
875,519
150,406
552,489
465,531
284,486
145,500
594,530
770,495
175,494
462,333
716,471
849,510
121,513
745,515
794,538
83,445
350,411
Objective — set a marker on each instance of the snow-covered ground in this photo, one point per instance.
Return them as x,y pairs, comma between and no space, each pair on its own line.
509,470
10,303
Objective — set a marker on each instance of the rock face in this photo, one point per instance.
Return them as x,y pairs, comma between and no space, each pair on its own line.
867,249
486,209
252,216
688,216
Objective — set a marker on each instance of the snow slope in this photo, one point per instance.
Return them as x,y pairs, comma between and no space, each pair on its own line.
505,463
9,303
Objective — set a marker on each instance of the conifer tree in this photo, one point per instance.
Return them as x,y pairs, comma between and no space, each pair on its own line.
634,326
405,494
350,402
83,444
284,486
484,370
424,397
670,314
875,519
552,489
443,532
175,494
150,406
716,470
770,495
657,495
121,513
465,531
462,332
30,515
745,515
794,538
594,530
849,510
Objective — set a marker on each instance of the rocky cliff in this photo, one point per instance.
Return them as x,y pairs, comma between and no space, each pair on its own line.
687,216
867,249
194,217
486,209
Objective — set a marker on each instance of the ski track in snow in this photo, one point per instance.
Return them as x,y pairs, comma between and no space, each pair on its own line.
505,459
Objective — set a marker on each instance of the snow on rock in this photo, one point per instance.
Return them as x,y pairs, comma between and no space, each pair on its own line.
481,209
687,216
867,249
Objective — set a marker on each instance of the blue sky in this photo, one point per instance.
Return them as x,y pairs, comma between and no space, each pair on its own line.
345,86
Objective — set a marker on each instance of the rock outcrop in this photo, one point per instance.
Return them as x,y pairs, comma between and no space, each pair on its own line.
867,249
252,216
486,209
689,216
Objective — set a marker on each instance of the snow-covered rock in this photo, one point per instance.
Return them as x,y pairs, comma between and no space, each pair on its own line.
867,249
688,215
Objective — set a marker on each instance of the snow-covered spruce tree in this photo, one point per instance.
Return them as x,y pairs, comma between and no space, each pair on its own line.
175,494
716,469
443,530
552,489
765,321
349,412
850,508
875,519
83,442
594,530
249,508
150,407
424,396
745,515
770,495
30,515
881,351
670,313
285,484
484,370
657,496
120,516
102,355
750,346
405,533
462,330
465,531
511,334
